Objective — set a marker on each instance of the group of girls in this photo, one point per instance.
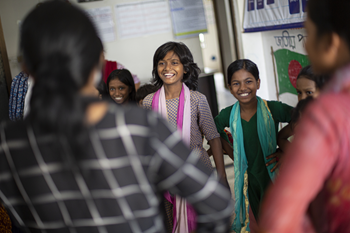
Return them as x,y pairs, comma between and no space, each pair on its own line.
311,192
253,123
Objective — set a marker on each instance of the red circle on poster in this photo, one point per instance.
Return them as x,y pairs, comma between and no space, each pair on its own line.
294,68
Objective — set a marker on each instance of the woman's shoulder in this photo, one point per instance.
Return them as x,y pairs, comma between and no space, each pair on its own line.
280,111
225,112
278,105
197,96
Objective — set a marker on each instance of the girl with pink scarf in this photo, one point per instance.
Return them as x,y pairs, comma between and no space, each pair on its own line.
176,76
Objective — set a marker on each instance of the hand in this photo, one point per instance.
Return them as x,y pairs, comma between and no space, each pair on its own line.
224,181
275,157
227,185
210,153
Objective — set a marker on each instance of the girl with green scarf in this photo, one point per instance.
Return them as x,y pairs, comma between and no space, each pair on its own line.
254,124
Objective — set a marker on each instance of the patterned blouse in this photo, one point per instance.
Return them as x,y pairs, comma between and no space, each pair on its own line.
202,123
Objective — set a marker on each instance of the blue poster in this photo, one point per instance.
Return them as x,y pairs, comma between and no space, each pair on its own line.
260,4
294,7
274,15
250,5
304,3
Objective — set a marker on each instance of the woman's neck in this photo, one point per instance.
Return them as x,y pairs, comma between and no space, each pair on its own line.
172,91
249,107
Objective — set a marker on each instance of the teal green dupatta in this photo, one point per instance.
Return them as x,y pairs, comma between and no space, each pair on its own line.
267,138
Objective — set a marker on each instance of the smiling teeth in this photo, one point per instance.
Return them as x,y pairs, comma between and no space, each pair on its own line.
169,75
118,98
244,94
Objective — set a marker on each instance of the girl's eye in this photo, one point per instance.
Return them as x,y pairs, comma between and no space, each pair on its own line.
309,92
299,93
235,84
111,89
249,81
121,88
175,63
161,63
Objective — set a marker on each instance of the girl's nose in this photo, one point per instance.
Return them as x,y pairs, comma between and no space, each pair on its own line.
166,67
242,86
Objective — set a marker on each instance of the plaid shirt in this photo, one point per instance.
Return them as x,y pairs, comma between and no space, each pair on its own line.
132,156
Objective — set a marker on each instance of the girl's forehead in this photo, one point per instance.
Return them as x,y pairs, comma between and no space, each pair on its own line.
304,81
116,82
241,75
170,56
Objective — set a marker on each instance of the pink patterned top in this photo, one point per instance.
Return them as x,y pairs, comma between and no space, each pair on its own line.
202,122
312,192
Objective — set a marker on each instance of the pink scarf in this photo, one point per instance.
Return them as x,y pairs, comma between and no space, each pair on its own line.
184,214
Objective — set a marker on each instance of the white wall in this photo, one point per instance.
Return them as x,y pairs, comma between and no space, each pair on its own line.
11,12
136,53
210,46
253,49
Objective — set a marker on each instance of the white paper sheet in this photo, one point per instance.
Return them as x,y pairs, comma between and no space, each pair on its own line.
102,17
142,18
188,18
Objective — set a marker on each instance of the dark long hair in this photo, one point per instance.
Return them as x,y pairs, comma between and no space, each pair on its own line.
125,77
145,90
102,90
331,16
242,64
60,49
186,58
298,110
307,72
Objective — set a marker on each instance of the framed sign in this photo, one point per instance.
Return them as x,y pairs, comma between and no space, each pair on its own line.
264,15
188,18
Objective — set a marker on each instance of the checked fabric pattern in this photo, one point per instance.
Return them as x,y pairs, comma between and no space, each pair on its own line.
131,157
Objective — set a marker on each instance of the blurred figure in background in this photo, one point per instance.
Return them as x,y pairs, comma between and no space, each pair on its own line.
143,91
121,87
113,65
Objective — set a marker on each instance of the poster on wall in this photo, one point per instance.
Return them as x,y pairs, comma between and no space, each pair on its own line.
139,19
264,15
188,18
103,20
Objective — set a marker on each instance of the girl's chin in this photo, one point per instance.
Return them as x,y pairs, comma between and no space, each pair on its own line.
118,101
245,99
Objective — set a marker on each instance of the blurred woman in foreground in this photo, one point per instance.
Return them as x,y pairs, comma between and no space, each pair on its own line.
312,193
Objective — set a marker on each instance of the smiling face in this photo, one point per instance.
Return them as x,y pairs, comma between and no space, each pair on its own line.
170,69
306,87
244,86
119,91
